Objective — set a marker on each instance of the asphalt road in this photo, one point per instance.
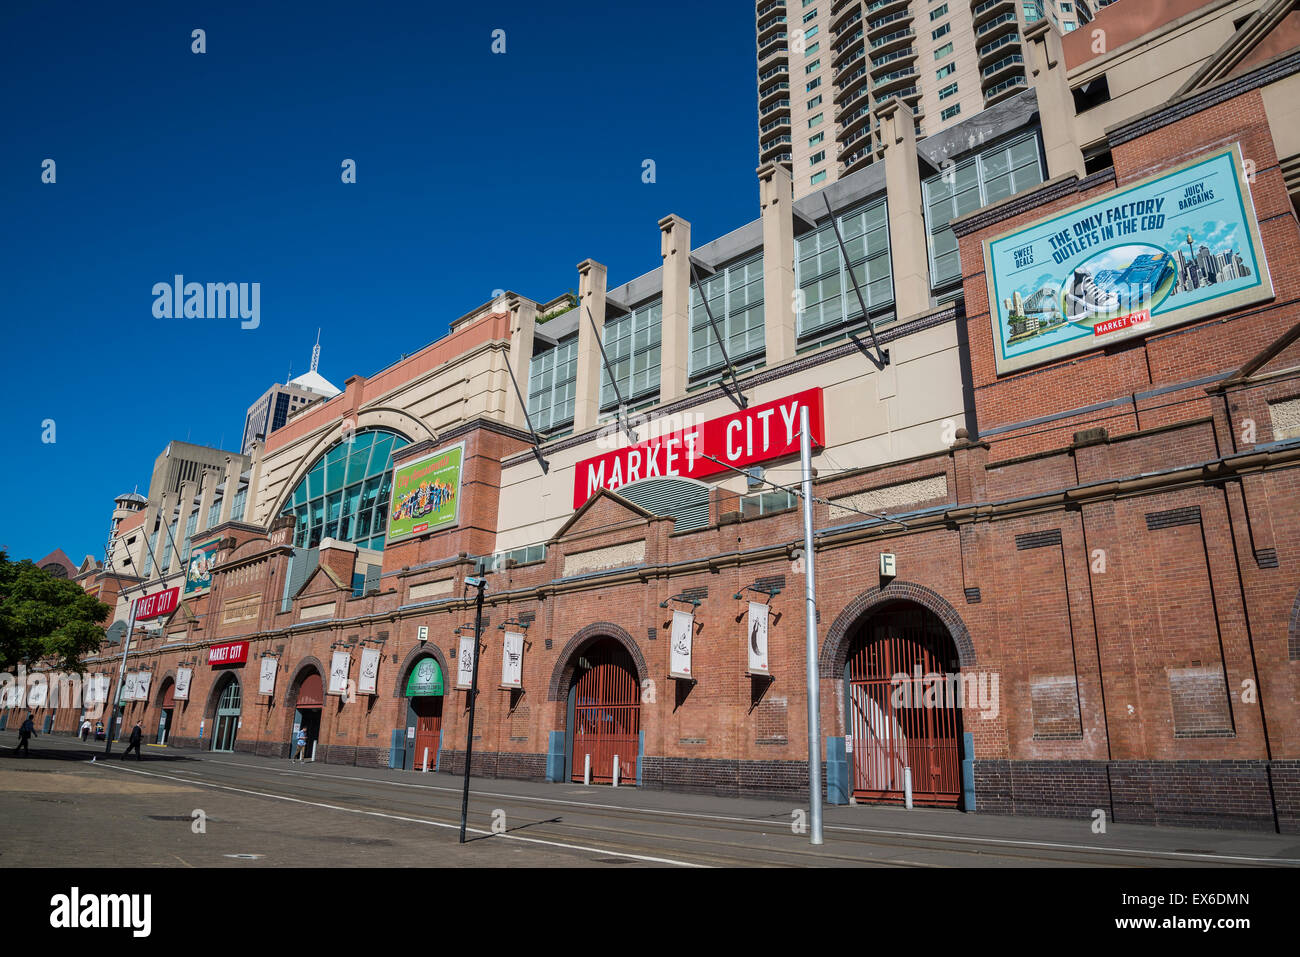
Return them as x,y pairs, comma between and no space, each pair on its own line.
61,808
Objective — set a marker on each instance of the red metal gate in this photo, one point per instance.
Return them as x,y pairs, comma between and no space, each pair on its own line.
428,724
607,716
893,726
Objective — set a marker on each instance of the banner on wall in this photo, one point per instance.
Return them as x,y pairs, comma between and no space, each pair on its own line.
1175,247
142,680
758,638
37,691
198,571
426,494
266,680
465,663
183,676
368,680
96,689
340,665
512,661
680,648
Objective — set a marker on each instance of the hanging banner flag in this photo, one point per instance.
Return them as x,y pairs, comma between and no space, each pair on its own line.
680,650
369,678
96,690
512,661
36,690
340,665
758,638
183,676
1178,246
266,682
465,663
142,685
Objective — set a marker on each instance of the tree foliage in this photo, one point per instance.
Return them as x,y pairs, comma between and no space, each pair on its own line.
46,618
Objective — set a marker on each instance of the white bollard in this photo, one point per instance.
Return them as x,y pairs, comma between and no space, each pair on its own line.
313,752
586,772
907,787
616,770
163,742
426,760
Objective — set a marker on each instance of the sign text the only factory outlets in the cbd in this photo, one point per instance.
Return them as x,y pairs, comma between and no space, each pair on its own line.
1172,248
741,438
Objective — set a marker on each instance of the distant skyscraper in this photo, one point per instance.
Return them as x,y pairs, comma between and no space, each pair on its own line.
277,403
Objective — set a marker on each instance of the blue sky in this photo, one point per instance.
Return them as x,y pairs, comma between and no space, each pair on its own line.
475,171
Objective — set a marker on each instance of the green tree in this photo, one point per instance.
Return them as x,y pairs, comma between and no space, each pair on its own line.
46,618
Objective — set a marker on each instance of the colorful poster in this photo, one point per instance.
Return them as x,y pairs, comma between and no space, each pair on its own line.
1172,248
680,648
266,680
425,680
198,571
426,494
757,643
465,663
183,676
368,680
340,665
512,661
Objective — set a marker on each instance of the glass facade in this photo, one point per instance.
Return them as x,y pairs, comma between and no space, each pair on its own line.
345,494
827,297
736,301
552,381
967,186
632,345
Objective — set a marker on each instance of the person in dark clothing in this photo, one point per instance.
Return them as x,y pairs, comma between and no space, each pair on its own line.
135,742
25,733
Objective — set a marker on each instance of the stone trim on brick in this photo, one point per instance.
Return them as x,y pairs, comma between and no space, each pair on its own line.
562,676
1293,632
836,646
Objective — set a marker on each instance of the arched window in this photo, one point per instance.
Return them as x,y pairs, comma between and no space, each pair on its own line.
345,495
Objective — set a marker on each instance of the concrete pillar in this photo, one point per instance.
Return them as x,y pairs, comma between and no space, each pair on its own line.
146,529
208,491
232,486
523,323
776,200
908,253
164,517
256,451
675,248
188,490
1046,74
591,298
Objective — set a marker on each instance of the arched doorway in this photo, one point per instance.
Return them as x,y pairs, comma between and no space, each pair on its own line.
424,693
902,675
225,719
308,705
167,704
604,713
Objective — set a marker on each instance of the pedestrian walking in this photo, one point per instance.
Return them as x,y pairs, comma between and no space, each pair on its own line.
136,735
25,733
301,745
85,729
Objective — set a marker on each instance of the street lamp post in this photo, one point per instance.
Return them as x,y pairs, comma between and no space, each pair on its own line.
480,584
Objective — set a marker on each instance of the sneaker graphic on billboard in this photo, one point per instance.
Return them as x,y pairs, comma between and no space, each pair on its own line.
1084,299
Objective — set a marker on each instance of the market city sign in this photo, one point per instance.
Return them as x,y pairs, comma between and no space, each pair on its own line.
739,439
231,654
1172,248
159,603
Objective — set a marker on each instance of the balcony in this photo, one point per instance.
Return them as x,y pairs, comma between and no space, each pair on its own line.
851,16
993,72
996,25
849,124
878,63
770,144
892,40
768,6
851,104
781,105
769,24
982,12
879,6
844,88
767,93
994,51
857,160
774,71
1005,89
901,16
848,144
847,41
891,81
851,59
839,5
772,45
778,122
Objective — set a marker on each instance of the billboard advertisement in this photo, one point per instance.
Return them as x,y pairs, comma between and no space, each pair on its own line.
1175,247
198,571
426,494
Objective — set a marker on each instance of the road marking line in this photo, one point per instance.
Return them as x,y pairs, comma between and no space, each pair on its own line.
411,820
774,822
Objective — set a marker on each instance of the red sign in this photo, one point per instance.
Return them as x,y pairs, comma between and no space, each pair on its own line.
160,603
232,654
741,438
1121,322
